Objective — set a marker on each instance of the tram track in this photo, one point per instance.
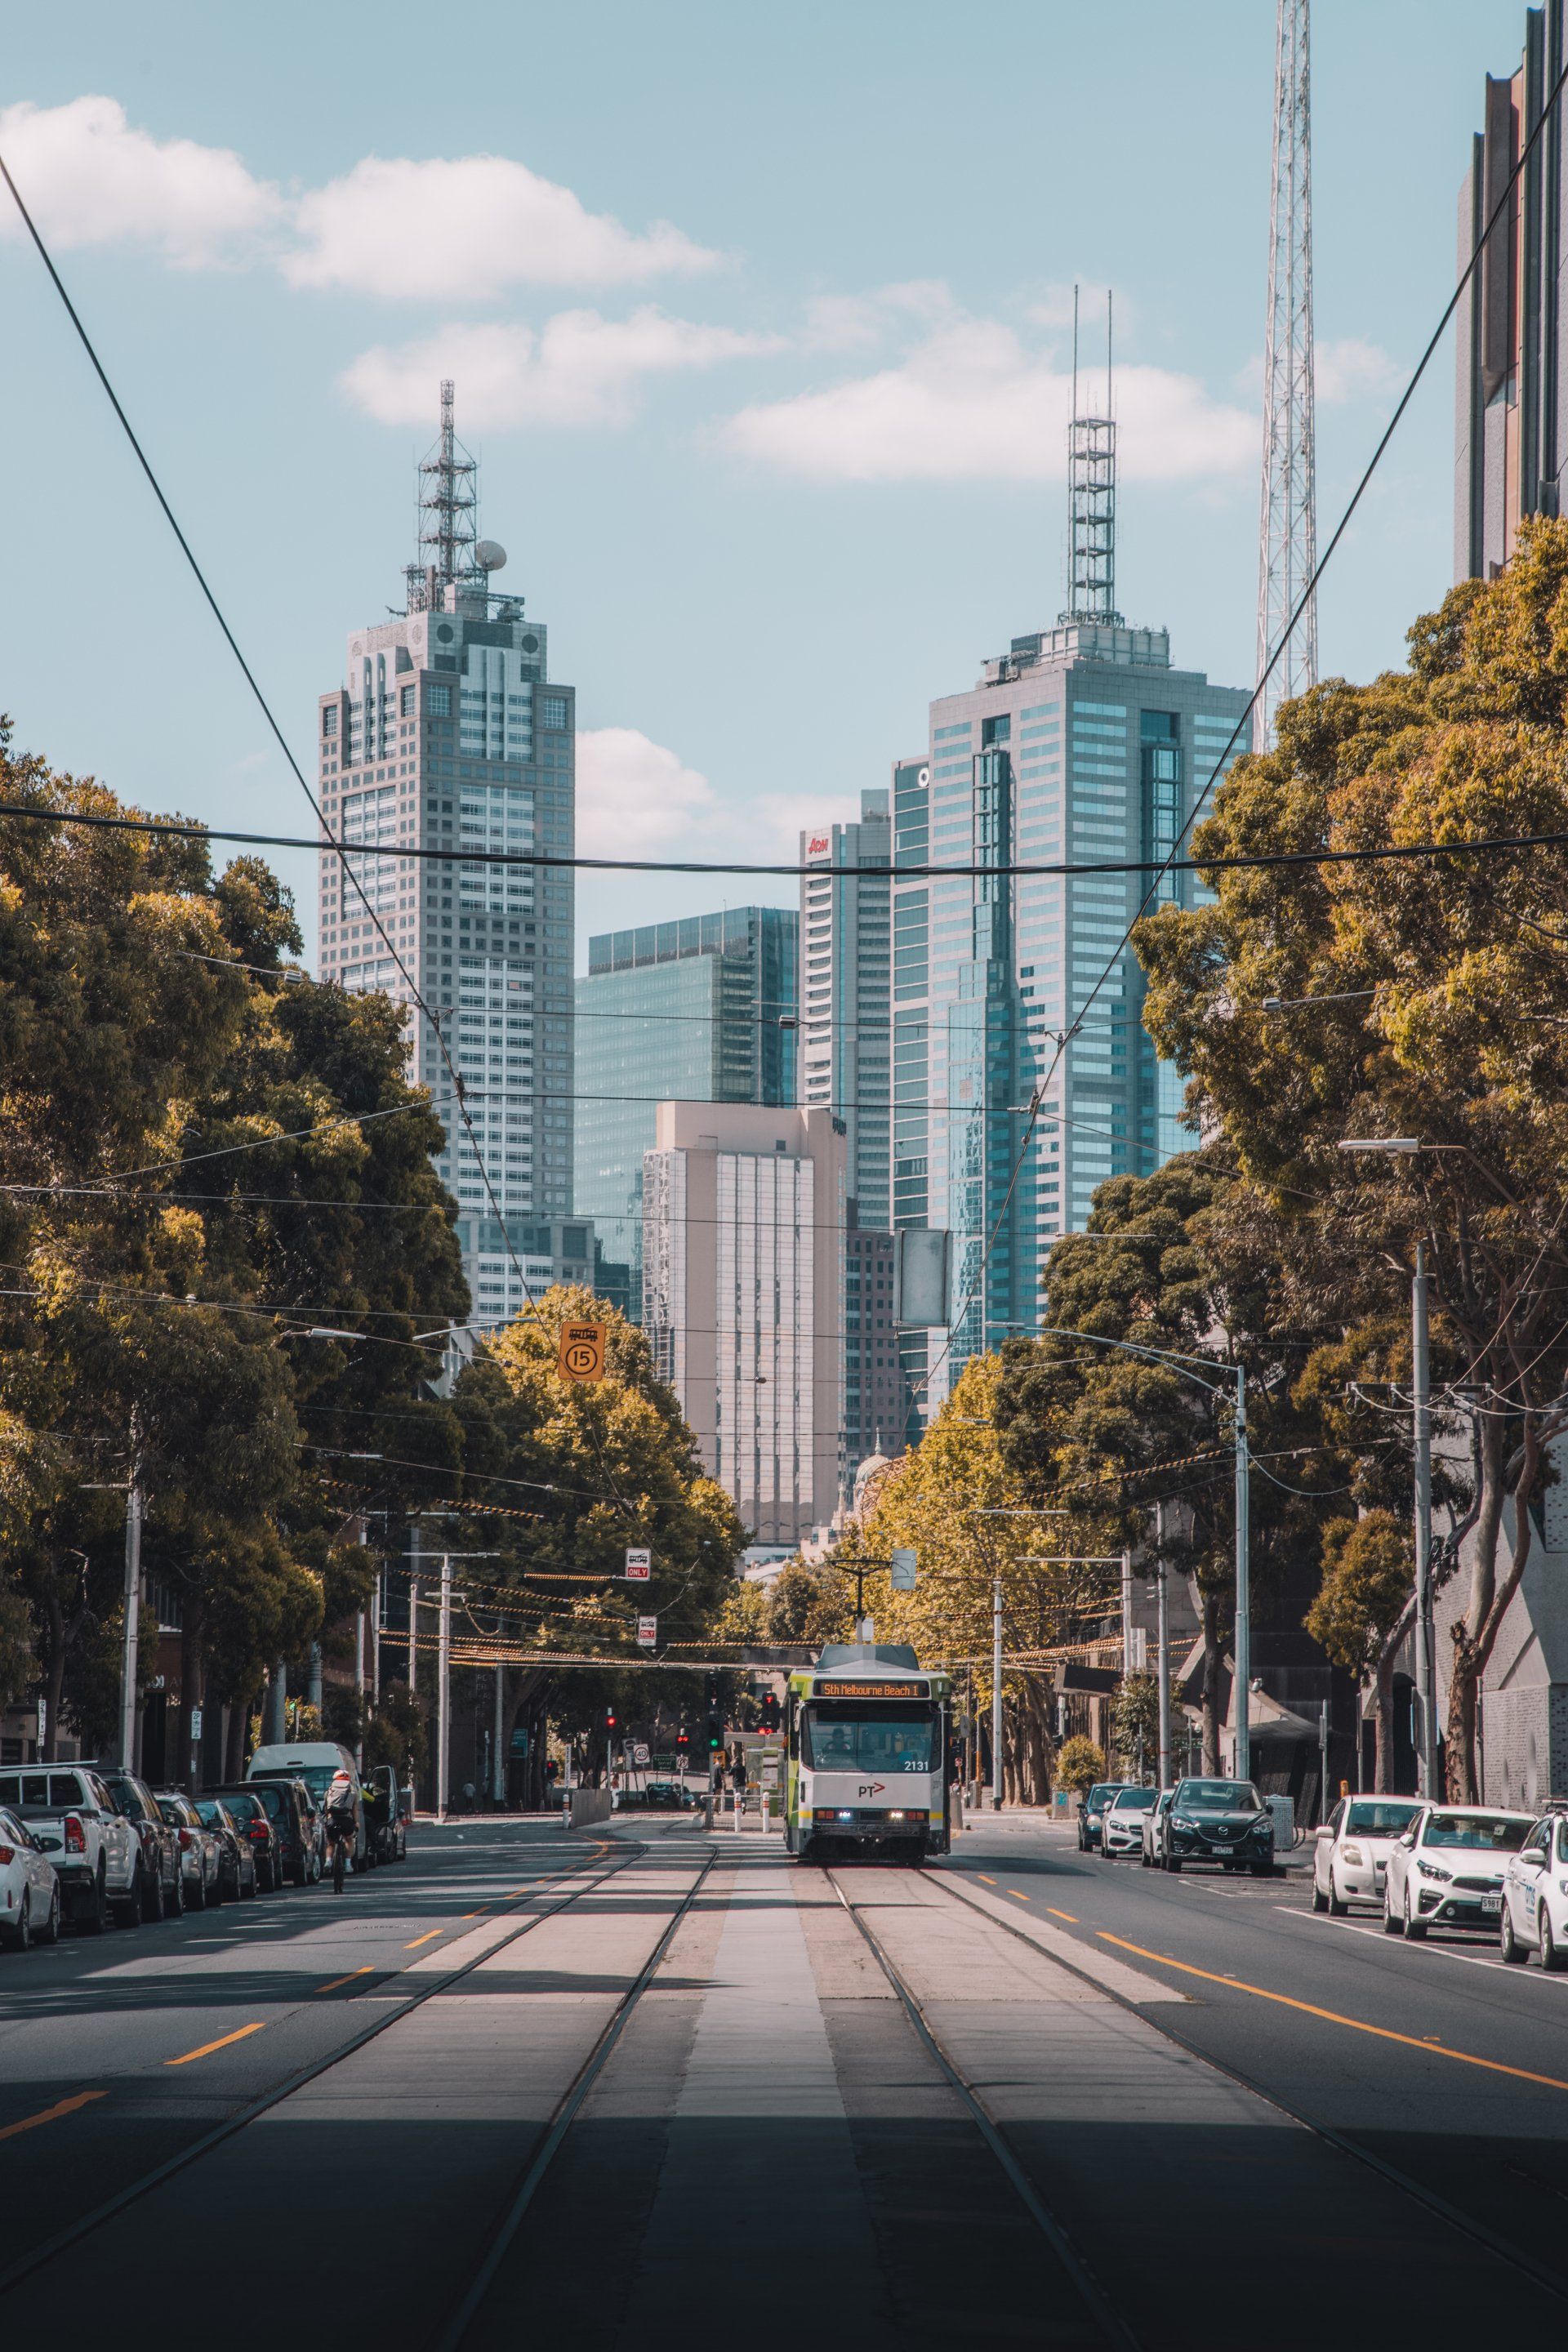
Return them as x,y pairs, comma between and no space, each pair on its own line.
1504,2250
575,1884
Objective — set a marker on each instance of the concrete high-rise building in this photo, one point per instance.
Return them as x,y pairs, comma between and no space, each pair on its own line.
1080,743
743,1217
846,985
449,733
697,1010
1512,410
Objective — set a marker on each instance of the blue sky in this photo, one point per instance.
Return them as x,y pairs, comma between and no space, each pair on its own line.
758,322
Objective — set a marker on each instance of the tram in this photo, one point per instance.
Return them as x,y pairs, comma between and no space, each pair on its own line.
867,1755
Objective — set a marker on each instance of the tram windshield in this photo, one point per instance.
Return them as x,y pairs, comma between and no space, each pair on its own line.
845,1736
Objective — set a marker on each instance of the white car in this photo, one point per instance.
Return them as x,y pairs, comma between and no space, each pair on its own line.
1149,1850
1534,1915
29,1890
1353,1850
1121,1830
1447,1869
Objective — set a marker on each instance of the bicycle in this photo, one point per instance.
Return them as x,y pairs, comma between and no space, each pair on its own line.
341,1837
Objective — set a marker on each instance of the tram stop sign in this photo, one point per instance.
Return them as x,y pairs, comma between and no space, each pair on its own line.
648,1639
580,1354
902,1564
639,1564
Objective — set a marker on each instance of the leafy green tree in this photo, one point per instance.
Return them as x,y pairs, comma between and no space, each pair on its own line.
1081,1763
1439,1015
395,1735
1364,1608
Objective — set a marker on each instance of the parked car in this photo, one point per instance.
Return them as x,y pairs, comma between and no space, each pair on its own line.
96,1853
29,1891
162,1882
1447,1869
1352,1848
1091,1813
237,1863
1534,1915
287,1801
1121,1824
200,1853
255,1824
316,1762
391,1821
1153,1829
1222,1821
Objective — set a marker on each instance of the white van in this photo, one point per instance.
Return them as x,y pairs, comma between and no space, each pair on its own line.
317,1762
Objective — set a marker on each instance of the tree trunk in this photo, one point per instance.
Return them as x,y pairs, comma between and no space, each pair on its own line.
1464,1690
1212,1665
234,1740
1383,1767
194,1622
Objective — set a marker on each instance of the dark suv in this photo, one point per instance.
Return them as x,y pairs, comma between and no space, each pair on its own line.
1225,1822
254,1823
1091,1812
162,1886
289,1805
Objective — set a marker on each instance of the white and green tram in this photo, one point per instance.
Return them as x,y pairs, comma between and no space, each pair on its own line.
869,1744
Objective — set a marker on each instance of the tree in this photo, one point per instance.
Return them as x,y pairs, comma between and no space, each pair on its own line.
1364,1608
1450,965
1081,1763
394,1735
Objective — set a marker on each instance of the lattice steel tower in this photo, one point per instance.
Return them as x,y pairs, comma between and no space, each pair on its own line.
448,516
1091,500
1289,543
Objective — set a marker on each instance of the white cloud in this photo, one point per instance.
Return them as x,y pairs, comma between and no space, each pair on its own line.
971,404
1354,369
777,820
635,798
578,369
88,178
466,228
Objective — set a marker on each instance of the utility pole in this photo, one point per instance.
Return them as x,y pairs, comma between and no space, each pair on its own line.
376,1608
997,1695
1426,1679
359,1685
497,1762
1126,1615
130,1643
443,1685
1243,1643
414,1614
1163,1663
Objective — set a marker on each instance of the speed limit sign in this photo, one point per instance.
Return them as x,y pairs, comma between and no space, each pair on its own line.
580,1354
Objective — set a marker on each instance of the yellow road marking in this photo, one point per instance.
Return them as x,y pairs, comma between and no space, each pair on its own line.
983,1880
1072,1915
479,1913
414,1946
332,1985
221,2043
1016,1897
46,2114
1333,2017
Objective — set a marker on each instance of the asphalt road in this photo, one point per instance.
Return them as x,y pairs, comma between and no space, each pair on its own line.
650,2089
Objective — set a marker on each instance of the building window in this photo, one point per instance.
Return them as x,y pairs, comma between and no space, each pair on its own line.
330,720
997,730
405,703
439,701
553,710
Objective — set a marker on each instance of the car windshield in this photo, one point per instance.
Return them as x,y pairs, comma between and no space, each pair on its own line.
213,1814
42,1789
841,1737
1218,1797
271,1797
318,1778
173,1811
1101,1793
1492,1833
124,1795
1134,1801
1384,1817
244,1807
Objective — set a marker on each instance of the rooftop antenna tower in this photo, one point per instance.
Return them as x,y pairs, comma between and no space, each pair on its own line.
1091,499
1288,552
448,517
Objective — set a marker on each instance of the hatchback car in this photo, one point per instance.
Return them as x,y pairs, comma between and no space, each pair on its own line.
1351,1848
254,1823
29,1891
1154,1825
293,1820
199,1850
1534,1915
1121,1828
237,1863
160,1846
1447,1869
1225,1822
1091,1813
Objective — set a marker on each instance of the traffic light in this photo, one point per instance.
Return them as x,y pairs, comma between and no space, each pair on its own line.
681,1737
771,1713
609,1718
715,1734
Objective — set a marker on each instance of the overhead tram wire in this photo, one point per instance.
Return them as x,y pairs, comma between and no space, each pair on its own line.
1170,863
344,852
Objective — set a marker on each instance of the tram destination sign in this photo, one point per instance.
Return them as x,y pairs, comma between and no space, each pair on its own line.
836,1690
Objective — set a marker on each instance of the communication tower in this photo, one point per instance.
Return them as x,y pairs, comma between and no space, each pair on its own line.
1288,552
1091,499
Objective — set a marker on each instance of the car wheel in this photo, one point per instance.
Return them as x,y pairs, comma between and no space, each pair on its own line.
1393,1924
1552,1954
1415,1929
127,1908
20,1936
1319,1900
1172,1864
197,1900
50,1933
97,1913
151,1900
1509,1946
1338,1907
219,1894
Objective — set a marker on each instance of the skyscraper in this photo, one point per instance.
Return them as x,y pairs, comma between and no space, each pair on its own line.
845,994
1512,410
697,1009
1080,743
449,734
743,1288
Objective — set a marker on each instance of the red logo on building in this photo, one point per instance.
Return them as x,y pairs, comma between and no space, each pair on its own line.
819,845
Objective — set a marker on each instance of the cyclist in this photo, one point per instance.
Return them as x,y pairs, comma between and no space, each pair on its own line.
341,1826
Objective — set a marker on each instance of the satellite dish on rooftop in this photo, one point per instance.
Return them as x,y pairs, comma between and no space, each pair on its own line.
490,555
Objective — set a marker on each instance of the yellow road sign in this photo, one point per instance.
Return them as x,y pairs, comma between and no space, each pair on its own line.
581,1355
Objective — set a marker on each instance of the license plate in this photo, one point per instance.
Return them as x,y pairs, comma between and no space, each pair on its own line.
1222,1849
1491,1903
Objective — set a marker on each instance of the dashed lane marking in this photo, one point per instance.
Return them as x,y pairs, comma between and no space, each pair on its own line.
47,2114
1335,2017
983,1880
428,1938
333,1982
1016,1897
221,2043
1071,1916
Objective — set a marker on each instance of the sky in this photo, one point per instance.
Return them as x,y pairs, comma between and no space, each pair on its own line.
759,322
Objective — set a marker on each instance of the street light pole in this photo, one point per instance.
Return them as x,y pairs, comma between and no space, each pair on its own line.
1162,1603
997,1695
443,1692
131,1638
1426,1679
1243,1588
